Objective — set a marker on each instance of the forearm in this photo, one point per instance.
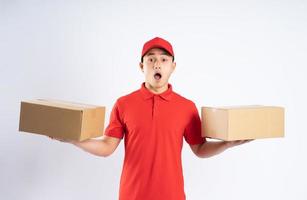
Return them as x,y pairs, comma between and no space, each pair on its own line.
95,147
211,148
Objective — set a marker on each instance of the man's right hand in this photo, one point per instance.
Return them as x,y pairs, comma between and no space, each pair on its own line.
100,147
62,140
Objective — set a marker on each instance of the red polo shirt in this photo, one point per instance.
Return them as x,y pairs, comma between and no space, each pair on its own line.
153,126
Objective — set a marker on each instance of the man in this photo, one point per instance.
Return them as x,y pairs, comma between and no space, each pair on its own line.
153,121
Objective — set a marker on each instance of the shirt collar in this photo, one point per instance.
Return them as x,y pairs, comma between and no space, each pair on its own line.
147,94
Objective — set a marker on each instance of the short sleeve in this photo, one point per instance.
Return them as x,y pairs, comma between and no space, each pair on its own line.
192,133
115,127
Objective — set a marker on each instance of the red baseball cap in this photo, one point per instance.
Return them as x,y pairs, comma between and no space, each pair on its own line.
157,42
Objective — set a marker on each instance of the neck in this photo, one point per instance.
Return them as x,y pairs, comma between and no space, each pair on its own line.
156,90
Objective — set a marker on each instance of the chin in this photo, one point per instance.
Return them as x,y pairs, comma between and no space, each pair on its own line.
160,83
157,84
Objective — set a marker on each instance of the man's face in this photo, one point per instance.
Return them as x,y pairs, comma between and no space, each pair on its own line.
157,67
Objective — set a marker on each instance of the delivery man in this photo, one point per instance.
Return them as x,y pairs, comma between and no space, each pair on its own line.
153,121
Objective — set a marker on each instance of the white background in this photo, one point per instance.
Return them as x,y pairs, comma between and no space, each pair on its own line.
227,53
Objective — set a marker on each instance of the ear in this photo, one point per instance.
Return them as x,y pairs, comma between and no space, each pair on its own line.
174,65
141,66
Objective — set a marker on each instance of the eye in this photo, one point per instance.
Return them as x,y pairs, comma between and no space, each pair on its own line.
165,59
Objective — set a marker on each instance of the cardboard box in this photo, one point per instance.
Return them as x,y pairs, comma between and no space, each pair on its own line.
61,119
242,122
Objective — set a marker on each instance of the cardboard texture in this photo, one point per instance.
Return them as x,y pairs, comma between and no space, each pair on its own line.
242,122
62,119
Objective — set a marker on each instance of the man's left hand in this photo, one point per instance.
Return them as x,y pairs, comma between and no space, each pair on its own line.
237,142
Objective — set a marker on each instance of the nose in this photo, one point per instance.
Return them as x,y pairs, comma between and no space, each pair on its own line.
157,65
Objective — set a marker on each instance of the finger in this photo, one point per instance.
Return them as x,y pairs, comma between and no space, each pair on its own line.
239,142
246,141
62,140
54,138
243,141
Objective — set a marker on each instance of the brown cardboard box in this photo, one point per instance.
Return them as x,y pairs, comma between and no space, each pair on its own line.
61,119
242,122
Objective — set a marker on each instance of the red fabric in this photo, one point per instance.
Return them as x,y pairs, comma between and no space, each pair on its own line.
157,43
153,127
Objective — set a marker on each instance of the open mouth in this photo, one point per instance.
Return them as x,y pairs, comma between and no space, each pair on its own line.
157,76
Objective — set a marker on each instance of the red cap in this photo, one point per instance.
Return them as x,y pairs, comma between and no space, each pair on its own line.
157,43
